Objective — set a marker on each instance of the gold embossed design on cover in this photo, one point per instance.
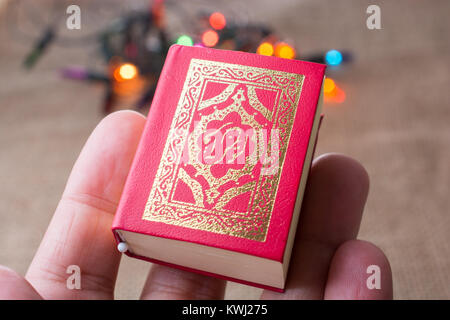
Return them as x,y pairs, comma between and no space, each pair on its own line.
212,193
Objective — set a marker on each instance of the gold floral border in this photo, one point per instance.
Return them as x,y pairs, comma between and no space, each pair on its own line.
252,225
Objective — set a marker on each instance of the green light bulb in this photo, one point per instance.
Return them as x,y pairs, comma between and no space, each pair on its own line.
185,40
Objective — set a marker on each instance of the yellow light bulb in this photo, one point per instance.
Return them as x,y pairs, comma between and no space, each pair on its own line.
128,71
265,49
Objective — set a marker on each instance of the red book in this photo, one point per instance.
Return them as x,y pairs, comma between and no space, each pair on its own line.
218,178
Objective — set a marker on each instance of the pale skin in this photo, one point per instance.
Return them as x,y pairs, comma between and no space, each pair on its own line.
327,263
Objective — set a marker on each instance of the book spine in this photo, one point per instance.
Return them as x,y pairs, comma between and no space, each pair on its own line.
132,203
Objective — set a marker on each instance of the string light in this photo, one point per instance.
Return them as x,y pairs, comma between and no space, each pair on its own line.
333,58
217,21
265,49
210,38
185,40
332,92
329,86
126,71
339,96
125,79
283,50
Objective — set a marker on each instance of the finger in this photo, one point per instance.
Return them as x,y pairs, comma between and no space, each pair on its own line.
169,283
359,270
80,230
14,287
334,200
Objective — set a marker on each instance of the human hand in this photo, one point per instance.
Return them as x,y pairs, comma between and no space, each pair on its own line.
327,261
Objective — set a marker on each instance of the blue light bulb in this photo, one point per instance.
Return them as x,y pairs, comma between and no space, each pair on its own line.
333,57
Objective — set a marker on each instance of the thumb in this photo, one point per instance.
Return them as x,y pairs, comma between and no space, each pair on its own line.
14,287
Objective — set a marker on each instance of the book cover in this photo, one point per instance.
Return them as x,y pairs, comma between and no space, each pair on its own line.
223,153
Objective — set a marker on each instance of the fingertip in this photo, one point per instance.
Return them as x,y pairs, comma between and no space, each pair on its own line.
120,121
344,173
359,270
334,200
112,144
123,114
365,251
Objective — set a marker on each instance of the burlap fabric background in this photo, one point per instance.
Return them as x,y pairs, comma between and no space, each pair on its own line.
395,121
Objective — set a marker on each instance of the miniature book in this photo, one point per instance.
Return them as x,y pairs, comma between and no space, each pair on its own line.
217,182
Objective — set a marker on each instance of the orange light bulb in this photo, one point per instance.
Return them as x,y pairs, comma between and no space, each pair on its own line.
126,71
210,38
329,86
332,92
283,50
217,21
340,96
